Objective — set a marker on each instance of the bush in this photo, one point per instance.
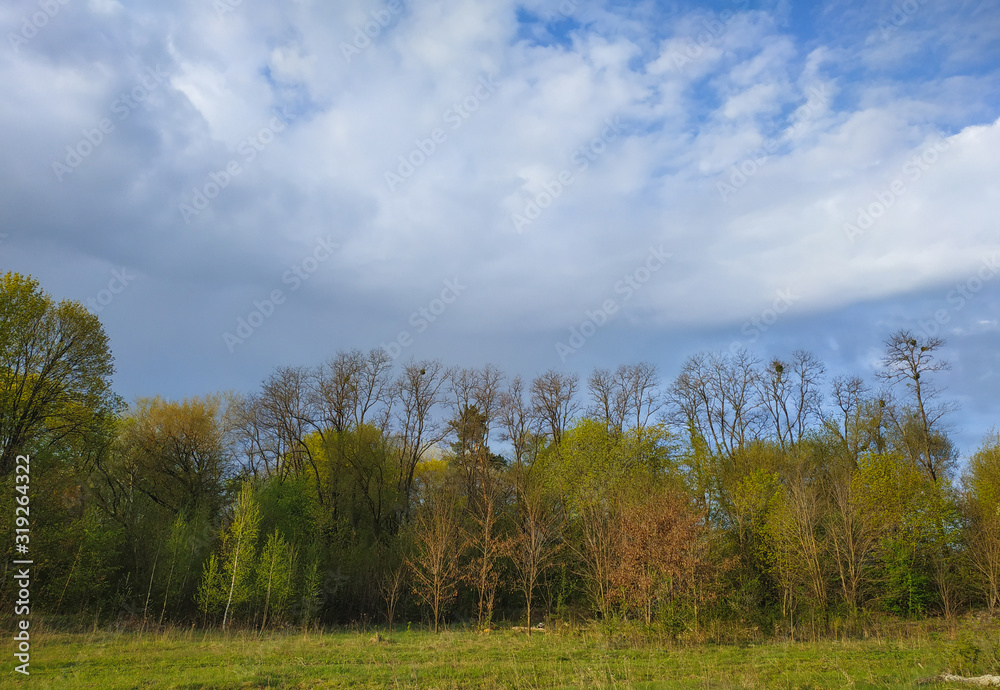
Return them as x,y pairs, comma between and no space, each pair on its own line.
975,656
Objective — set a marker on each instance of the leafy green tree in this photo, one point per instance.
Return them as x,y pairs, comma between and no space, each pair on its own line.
591,462
797,544
982,507
274,576
311,594
55,371
358,469
903,499
746,510
176,453
211,591
239,548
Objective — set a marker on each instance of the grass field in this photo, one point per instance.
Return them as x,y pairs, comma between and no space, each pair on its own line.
501,659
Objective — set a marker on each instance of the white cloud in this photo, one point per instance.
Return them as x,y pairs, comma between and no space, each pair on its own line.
696,98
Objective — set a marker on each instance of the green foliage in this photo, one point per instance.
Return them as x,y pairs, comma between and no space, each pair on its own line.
211,595
590,463
55,372
289,506
906,587
239,551
147,509
273,586
982,514
360,473
975,655
746,511
176,453
310,597
81,563
982,477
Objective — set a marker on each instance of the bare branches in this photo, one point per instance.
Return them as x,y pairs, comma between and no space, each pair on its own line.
552,401
538,530
789,392
718,395
435,560
627,398
418,391
517,422
910,359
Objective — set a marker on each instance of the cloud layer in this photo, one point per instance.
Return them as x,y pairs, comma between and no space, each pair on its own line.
846,156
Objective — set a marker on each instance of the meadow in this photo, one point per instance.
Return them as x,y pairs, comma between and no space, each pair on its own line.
570,658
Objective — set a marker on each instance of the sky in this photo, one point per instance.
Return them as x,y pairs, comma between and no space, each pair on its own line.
237,185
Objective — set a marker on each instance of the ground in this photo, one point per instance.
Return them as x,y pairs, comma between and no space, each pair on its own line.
467,659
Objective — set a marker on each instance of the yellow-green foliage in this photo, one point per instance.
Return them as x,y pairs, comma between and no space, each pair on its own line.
590,462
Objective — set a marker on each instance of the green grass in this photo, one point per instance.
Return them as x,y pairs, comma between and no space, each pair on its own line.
501,659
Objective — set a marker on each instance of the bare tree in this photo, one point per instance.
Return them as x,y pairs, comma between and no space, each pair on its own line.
717,396
285,407
516,419
391,579
335,389
608,400
418,390
597,550
479,389
485,540
910,360
353,387
552,401
476,395
853,532
259,447
641,385
536,542
374,398
627,398
437,549
848,392
789,392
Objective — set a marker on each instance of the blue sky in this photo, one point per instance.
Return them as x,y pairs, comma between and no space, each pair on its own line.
680,176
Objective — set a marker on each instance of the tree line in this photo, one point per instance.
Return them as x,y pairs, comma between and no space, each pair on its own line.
746,491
